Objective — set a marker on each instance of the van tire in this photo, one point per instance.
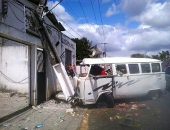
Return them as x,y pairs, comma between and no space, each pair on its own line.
105,101
155,94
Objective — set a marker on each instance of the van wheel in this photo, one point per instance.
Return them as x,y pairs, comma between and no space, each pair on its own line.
154,94
105,101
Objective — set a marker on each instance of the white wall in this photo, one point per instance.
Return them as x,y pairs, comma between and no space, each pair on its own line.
14,66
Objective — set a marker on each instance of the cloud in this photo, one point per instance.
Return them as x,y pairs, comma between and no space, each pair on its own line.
60,11
150,39
150,36
111,11
148,12
156,15
134,7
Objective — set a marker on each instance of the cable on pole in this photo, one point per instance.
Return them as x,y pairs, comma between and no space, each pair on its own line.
52,8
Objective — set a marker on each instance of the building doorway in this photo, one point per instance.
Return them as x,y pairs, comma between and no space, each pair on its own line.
68,57
41,80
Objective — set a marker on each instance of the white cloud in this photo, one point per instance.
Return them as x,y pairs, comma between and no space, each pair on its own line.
60,11
134,7
111,11
121,40
156,15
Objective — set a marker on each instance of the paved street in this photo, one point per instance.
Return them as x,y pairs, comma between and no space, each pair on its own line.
132,115
129,115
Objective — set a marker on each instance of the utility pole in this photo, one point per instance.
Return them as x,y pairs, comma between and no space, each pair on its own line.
104,49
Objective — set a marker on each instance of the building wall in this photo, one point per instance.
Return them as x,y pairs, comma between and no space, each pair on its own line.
14,66
19,19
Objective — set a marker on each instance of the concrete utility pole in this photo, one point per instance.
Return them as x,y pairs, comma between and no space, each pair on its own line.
104,49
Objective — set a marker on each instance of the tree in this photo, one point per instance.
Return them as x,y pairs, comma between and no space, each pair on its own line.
138,55
164,55
83,48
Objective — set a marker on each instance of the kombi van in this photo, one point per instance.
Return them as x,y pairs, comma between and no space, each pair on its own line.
125,78
106,79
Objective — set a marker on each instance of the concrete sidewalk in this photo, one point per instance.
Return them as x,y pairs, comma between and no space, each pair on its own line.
47,116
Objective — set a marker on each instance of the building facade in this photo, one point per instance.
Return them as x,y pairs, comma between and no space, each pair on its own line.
24,62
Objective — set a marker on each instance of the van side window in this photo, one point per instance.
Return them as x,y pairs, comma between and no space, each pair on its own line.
145,68
133,68
156,67
121,69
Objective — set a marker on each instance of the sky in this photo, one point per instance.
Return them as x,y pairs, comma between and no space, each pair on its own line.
126,26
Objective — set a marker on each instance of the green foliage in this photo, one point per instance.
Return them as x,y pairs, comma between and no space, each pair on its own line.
163,56
138,55
83,47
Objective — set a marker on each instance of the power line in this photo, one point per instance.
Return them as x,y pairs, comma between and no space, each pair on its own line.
12,2
68,25
15,14
55,6
52,8
101,19
93,11
70,8
83,11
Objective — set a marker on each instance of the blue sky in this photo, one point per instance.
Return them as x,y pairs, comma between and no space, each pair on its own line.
128,26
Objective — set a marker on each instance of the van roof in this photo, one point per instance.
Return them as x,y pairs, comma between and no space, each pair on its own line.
117,60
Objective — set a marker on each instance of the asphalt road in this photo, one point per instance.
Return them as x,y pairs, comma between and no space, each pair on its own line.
136,114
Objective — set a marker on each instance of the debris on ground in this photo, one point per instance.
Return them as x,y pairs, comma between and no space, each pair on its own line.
111,118
26,128
123,107
134,107
6,125
118,117
39,125
69,110
35,108
12,94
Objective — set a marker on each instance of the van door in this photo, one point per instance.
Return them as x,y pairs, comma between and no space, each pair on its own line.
97,84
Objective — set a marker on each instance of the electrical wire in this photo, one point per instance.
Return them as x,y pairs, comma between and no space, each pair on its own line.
12,2
13,12
70,8
68,25
101,19
58,29
53,7
93,11
83,11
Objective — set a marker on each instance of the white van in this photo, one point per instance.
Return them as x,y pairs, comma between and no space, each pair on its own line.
126,78
106,79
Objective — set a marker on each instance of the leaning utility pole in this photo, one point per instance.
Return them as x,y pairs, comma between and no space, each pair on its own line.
55,60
